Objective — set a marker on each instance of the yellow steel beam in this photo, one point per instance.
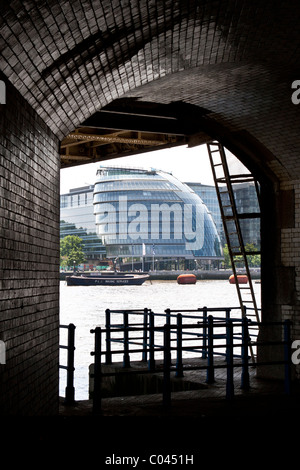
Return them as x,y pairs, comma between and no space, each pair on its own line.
110,139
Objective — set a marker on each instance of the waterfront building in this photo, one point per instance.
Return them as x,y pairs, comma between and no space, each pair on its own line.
208,195
77,218
150,214
246,202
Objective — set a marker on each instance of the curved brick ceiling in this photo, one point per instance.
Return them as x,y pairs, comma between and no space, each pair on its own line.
236,59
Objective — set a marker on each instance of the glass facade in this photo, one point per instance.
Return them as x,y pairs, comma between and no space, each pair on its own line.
151,213
77,218
136,213
246,202
208,195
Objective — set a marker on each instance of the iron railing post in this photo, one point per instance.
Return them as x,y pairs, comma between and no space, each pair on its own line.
108,337
168,316
145,335
167,366
245,382
126,358
229,359
210,377
70,390
204,334
287,356
179,364
97,371
151,361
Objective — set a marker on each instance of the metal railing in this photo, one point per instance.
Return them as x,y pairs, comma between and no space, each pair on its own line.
150,341
70,347
215,336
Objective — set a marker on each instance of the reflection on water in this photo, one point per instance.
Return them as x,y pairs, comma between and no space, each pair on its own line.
85,307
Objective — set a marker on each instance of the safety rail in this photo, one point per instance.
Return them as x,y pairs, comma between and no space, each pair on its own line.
70,347
148,341
211,325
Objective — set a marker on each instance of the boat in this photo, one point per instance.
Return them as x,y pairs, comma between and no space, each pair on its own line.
107,279
186,279
241,278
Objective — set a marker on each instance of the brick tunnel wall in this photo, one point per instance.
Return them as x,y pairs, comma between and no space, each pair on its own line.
29,243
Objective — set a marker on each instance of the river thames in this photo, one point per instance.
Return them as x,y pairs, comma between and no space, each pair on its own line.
85,308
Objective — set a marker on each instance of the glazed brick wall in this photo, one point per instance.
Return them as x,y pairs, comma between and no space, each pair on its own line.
29,243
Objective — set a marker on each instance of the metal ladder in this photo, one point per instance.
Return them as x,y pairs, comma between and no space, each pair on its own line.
231,222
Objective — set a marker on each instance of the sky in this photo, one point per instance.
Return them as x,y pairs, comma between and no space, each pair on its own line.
189,165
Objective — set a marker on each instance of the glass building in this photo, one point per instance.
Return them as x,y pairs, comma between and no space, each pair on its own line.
77,218
151,214
208,195
246,201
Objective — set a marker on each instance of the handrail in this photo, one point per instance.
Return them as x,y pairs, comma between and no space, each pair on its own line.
149,347
70,347
211,325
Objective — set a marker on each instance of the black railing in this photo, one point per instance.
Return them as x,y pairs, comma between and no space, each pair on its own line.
70,347
215,335
146,322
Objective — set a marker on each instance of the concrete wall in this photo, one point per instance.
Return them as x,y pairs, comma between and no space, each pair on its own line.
29,244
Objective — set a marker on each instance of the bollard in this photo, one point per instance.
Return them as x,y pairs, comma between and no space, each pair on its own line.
167,366
210,374
179,364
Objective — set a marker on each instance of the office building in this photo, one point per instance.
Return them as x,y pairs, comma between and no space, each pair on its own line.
152,215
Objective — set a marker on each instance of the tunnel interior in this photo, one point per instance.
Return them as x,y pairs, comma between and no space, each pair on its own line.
135,76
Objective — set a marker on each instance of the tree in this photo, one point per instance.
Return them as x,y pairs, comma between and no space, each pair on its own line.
253,260
71,250
227,262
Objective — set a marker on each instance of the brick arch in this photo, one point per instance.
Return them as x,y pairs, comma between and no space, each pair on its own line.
62,62
69,59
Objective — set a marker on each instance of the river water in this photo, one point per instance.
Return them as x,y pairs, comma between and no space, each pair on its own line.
85,307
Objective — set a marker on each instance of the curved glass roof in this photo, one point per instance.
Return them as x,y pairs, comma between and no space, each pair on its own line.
144,211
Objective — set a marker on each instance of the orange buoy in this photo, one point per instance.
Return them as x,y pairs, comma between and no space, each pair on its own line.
186,279
241,278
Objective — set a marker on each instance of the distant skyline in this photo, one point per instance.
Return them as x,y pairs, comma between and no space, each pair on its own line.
187,164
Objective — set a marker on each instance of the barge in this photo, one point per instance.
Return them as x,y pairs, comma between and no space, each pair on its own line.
107,279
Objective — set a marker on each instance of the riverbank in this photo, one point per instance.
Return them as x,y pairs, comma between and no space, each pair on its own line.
172,275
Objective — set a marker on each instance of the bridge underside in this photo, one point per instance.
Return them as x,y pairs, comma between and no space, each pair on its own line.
90,81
